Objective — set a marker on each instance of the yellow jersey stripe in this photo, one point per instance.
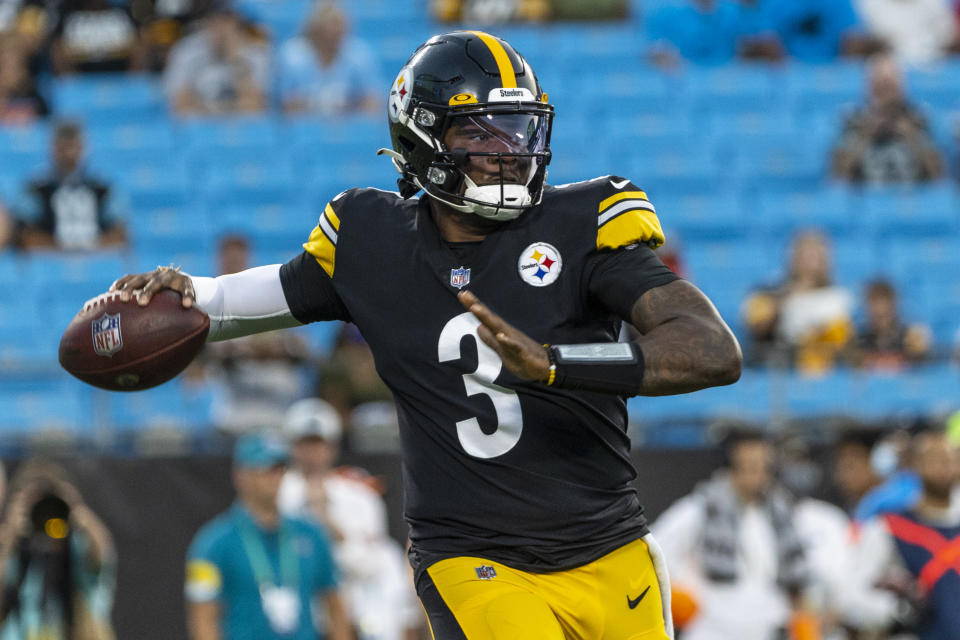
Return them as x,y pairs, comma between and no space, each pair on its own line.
617,197
630,227
322,247
332,217
503,60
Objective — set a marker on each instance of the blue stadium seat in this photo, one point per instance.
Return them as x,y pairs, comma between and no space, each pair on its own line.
823,88
937,85
27,411
782,213
230,132
676,169
856,260
707,215
813,397
898,212
166,405
778,162
109,99
731,88
156,184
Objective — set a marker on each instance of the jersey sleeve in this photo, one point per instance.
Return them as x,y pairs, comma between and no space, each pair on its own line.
204,576
625,266
625,216
308,279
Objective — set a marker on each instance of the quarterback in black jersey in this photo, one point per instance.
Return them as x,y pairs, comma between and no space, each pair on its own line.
492,304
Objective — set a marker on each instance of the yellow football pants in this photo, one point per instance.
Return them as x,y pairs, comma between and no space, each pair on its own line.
617,597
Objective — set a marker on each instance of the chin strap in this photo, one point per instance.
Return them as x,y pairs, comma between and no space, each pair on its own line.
488,205
405,185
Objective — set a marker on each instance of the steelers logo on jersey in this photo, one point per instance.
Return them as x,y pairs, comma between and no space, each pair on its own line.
539,264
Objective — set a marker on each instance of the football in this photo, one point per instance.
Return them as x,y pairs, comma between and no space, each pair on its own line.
122,346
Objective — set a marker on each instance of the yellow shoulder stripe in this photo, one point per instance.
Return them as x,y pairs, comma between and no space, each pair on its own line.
631,227
500,55
332,217
623,195
322,243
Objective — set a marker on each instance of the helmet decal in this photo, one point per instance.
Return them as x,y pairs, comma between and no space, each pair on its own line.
400,93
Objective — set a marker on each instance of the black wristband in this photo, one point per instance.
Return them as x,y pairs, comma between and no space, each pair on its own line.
606,367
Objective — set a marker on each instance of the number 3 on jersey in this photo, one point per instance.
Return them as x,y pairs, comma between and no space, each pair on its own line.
505,401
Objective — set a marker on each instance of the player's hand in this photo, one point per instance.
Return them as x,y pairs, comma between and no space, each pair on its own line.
144,285
523,356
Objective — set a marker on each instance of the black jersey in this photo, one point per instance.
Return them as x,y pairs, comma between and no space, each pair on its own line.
518,472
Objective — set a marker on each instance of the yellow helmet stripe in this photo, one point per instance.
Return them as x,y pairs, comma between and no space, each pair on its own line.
500,55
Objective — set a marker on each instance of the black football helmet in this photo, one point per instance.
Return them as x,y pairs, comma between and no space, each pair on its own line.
468,100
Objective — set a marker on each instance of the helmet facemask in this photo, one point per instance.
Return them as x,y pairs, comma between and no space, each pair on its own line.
489,159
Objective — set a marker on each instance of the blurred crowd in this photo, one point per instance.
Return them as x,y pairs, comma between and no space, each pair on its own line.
756,551
850,537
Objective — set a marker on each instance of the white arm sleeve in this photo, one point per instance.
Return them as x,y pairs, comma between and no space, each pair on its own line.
240,304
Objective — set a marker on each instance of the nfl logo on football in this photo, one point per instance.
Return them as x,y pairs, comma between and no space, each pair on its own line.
485,572
459,278
107,339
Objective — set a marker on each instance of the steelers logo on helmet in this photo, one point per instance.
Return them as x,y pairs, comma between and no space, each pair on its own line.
400,93
540,264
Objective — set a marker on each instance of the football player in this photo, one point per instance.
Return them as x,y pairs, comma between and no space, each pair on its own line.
492,304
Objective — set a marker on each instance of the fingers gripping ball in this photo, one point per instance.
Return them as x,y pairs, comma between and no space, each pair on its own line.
122,346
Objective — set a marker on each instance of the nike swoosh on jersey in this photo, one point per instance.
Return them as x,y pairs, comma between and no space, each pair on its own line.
632,603
619,185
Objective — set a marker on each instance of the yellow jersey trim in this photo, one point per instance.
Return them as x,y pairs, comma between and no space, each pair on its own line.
322,243
630,227
623,195
503,60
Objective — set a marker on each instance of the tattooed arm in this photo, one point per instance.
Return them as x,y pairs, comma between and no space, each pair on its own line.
686,344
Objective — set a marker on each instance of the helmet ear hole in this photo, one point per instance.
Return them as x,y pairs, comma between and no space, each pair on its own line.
408,145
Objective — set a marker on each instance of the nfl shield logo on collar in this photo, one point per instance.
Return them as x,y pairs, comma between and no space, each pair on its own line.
485,572
107,339
459,278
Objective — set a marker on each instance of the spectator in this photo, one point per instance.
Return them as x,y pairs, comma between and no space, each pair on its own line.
817,31
377,585
57,559
915,31
735,544
758,39
823,527
70,208
6,227
326,72
218,69
699,31
907,577
349,378
95,36
887,140
853,471
257,376
900,487
253,572
884,342
164,22
20,102
805,321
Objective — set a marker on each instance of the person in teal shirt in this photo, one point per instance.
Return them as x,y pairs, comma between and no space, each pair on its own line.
255,574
